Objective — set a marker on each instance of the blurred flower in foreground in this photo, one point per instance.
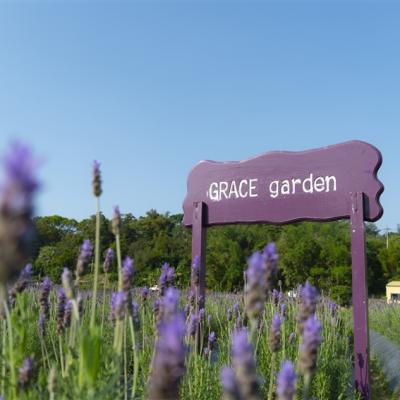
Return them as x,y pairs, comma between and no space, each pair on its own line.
244,365
169,360
286,382
16,209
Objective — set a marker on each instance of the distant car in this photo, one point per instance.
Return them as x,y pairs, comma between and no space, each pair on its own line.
154,288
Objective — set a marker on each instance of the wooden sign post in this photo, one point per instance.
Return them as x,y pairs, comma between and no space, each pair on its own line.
326,184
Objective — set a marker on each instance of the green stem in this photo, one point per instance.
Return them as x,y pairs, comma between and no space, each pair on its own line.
104,302
125,364
271,378
11,352
135,359
61,355
3,357
96,265
119,260
306,388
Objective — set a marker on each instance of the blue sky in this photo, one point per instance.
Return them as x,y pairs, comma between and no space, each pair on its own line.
150,88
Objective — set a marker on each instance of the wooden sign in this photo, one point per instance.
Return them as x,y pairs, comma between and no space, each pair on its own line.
281,187
325,184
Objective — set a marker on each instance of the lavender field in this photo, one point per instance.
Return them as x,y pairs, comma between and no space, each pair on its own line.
63,342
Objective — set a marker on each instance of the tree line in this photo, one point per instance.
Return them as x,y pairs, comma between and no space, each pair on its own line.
319,252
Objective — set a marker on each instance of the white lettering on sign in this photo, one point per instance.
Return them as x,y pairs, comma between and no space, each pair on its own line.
307,185
245,188
233,190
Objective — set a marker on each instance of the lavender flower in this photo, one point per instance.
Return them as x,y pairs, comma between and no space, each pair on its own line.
195,275
193,325
308,304
212,337
286,382
22,282
135,314
236,310
283,310
16,208
238,322
44,296
169,360
169,303
108,261
270,266
25,373
310,341
127,275
96,182
202,313
60,310
166,277
116,221
333,307
254,288
274,339
84,258
67,314
144,293
275,296
187,309
118,303
245,366
229,314
229,385
192,297
68,285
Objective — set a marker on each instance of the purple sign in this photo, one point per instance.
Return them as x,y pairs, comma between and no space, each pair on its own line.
329,183
280,187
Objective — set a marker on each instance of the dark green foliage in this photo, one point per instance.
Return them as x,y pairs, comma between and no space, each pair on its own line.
319,252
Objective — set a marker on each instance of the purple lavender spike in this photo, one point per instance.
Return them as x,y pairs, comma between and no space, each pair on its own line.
275,333
108,261
16,209
308,303
127,274
229,385
286,382
96,180
60,310
193,324
169,360
255,288
244,365
116,221
310,341
25,373
84,258
118,303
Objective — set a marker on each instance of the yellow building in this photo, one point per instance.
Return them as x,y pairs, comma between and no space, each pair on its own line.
393,292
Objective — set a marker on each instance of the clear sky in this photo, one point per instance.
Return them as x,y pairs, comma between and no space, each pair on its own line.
150,88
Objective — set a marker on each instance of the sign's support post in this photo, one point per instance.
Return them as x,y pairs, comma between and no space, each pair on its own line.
199,235
360,297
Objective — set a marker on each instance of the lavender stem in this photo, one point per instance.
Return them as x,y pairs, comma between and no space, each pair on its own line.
96,264
119,260
135,359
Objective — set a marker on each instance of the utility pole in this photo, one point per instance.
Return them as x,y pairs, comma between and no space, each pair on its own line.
387,229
